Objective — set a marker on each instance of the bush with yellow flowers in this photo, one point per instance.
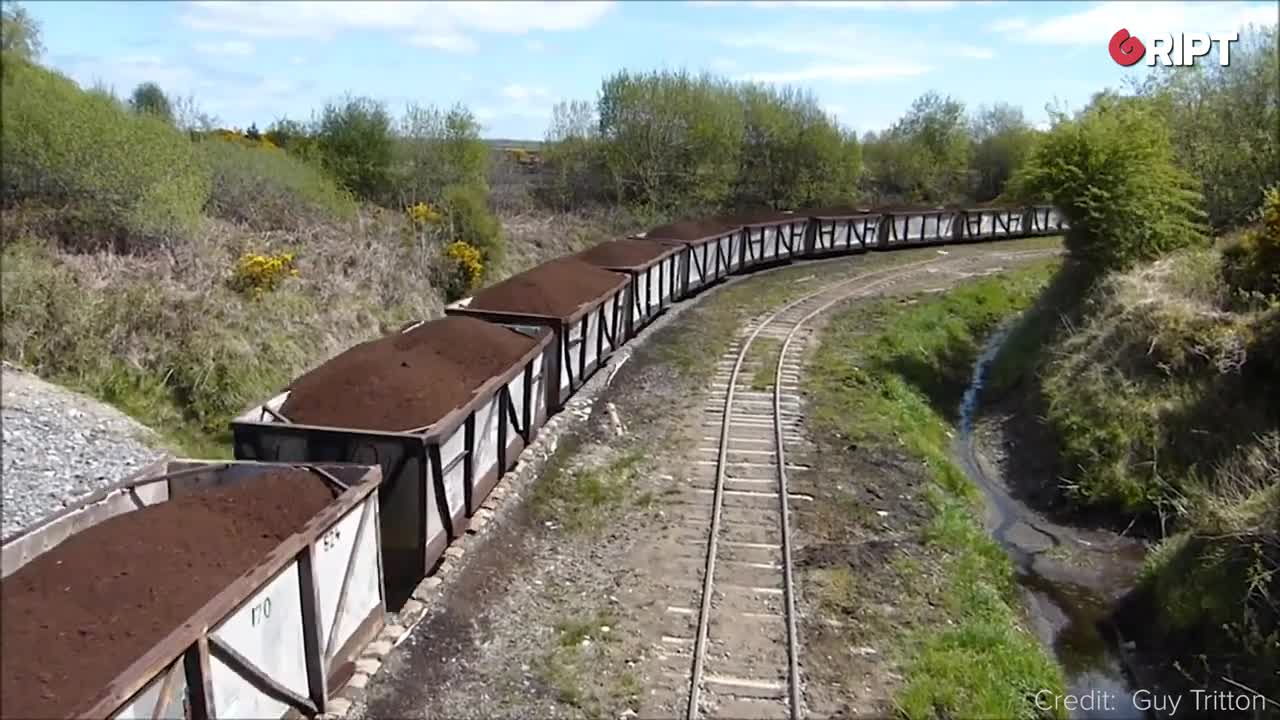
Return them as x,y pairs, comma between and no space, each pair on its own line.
422,214
465,269
256,275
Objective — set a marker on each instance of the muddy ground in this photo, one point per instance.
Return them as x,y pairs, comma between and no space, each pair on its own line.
562,610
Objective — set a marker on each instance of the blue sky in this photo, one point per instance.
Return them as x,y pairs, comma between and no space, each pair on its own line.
510,62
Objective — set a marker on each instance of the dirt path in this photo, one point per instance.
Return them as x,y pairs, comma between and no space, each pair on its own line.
578,606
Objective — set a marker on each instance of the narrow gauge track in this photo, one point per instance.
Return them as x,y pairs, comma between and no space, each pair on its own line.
750,667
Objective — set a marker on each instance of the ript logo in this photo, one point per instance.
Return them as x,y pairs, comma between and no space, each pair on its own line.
1125,48
1170,50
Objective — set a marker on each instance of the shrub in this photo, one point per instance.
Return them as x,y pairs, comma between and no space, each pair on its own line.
464,270
468,219
148,98
256,275
131,180
423,214
19,32
1111,170
1252,264
354,143
437,149
259,184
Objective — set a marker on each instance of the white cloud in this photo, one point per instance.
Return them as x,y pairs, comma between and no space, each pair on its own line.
441,22
913,5
238,48
840,73
1010,25
523,101
972,52
516,91
723,64
447,41
1097,23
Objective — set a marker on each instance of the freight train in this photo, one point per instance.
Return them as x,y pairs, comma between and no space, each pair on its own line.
395,443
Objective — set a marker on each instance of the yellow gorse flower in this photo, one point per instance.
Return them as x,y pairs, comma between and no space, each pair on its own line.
255,274
423,214
468,260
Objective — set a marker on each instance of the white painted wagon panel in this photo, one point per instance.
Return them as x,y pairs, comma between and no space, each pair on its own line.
487,419
143,704
333,555
726,248
594,329
455,486
267,631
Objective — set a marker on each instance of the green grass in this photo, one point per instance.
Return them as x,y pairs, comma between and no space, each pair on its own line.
897,385
574,667
583,499
764,355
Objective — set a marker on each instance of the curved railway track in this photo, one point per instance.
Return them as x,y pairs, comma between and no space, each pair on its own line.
750,667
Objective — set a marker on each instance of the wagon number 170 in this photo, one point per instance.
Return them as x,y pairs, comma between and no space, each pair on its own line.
260,612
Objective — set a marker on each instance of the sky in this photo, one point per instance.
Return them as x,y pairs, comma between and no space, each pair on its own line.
255,62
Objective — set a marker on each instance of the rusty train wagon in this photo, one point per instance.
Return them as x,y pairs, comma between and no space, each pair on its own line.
654,271
992,223
840,231
438,473
712,250
917,226
270,641
769,238
1045,220
584,306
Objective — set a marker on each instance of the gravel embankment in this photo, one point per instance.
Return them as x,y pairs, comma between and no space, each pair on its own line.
60,446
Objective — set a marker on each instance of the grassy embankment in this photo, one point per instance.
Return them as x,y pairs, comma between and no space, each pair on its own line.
889,376
1161,392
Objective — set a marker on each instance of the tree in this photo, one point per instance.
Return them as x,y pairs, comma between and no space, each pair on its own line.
1002,140
354,142
574,169
148,98
252,133
1225,123
670,140
1112,172
934,159
19,32
437,149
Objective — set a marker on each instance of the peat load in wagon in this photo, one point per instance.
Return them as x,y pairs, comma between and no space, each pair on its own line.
406,380
584,306
712,250
444,407
76,616
654,269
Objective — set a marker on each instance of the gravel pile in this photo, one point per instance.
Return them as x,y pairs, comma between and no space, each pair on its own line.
60,446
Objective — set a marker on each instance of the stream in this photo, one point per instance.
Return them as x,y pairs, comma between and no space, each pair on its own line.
1070,576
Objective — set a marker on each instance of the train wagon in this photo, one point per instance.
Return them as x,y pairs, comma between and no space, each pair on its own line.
443,407
911,226
1045,220
584,307
654,271
992,223
195,589
839,231
770,237
713,249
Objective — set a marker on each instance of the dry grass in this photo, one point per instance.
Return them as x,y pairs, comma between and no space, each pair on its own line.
163,336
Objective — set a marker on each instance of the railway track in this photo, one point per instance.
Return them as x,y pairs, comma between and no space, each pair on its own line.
744,656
